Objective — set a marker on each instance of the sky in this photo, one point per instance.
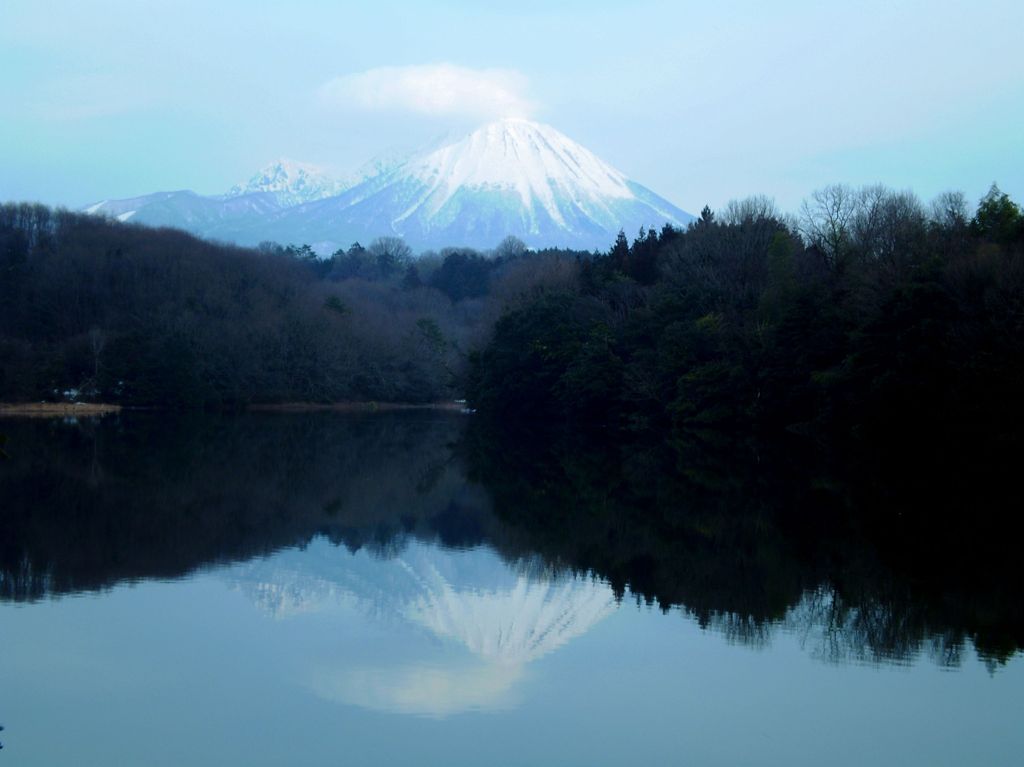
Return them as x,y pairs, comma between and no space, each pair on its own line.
701,102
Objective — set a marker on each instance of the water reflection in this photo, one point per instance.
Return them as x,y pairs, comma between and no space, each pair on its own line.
872,562
145,496
491,620
506,548
400,589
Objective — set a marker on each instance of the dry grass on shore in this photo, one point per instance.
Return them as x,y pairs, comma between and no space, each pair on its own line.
56,409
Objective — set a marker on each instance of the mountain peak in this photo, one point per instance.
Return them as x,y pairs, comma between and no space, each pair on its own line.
540,164
291,181
513,122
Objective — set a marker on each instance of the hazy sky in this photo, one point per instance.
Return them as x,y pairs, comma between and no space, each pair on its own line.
701,102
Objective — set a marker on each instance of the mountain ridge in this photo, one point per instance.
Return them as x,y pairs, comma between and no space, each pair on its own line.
509,177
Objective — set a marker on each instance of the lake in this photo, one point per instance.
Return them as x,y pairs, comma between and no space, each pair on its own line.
406,588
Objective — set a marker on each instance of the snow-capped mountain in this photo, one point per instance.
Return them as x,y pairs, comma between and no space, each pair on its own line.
291,182
510,177
525,178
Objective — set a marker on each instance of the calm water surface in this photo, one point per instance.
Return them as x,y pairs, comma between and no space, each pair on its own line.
385,590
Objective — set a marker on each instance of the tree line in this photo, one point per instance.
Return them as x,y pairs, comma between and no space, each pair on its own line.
99,310
867,313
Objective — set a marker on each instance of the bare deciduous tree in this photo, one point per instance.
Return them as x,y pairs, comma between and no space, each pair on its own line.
390,254
97,343
826,219
511,247
754,208
951,210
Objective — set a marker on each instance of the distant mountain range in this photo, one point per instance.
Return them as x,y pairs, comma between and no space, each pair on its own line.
511,177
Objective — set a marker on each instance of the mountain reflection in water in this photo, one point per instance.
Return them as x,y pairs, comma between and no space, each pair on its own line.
495,619
506,548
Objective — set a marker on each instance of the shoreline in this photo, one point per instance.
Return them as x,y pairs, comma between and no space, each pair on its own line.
56,409
100,409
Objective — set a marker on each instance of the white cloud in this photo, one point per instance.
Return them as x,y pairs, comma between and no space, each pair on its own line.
432,89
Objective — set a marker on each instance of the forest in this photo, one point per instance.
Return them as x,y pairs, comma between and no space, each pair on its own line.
869,314
865,312
96,310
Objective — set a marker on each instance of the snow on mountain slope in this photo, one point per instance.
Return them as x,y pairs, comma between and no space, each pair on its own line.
540,164
511,177
293,183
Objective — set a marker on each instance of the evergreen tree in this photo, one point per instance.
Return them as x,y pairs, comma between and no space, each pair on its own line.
619,254
998,217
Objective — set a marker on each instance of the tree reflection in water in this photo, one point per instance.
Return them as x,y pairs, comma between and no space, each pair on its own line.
865,562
